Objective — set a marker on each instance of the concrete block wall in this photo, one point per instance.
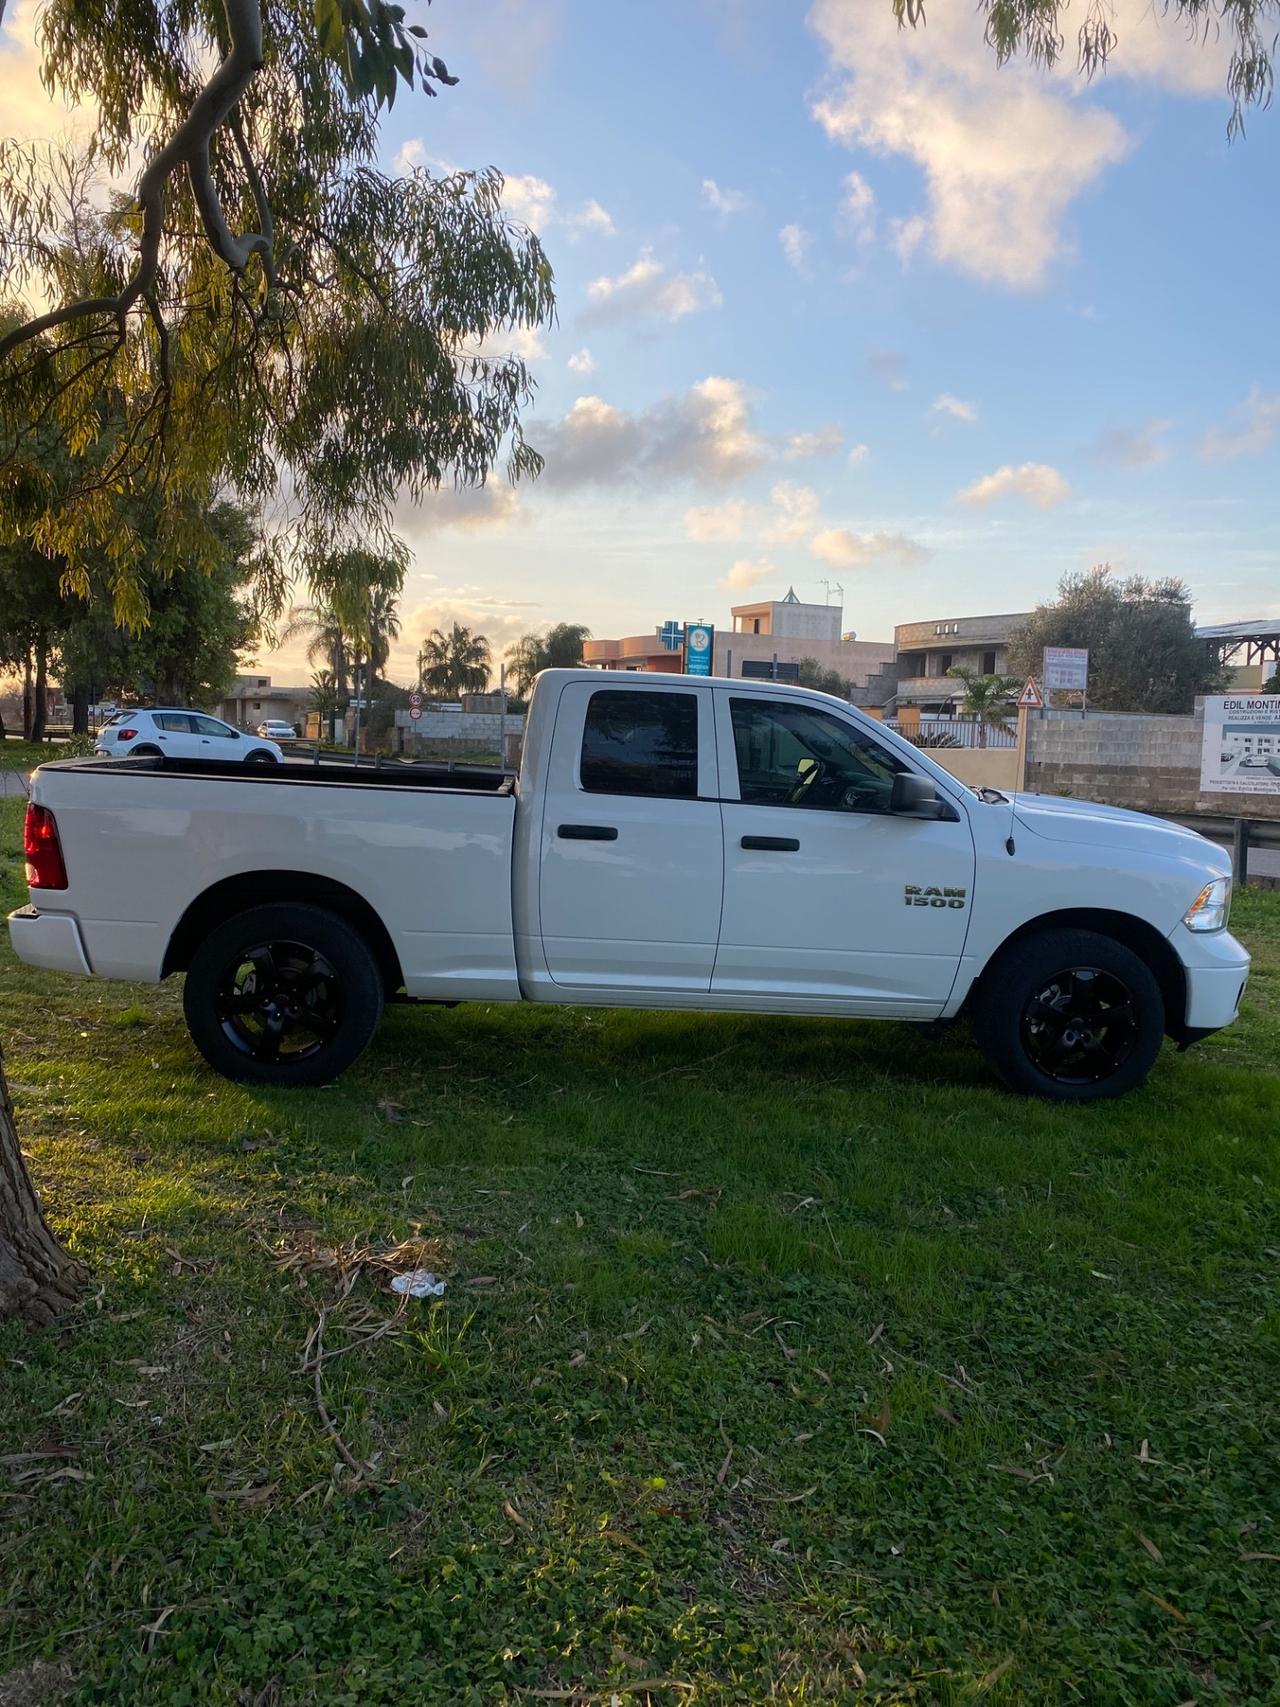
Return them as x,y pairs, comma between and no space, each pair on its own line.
479,729
1149,763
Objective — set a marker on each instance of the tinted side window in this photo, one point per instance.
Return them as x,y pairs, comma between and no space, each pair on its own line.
173,722
794,755
211,726
641,743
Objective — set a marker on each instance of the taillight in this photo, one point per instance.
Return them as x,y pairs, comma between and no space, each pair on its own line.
126,734
45,867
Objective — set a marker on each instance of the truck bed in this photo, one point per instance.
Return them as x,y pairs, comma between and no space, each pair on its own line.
337,772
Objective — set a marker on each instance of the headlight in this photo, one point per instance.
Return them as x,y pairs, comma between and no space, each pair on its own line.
1211,908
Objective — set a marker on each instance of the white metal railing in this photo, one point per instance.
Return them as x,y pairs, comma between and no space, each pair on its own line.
953,732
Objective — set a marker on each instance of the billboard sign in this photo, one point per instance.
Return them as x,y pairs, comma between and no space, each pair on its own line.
699,645
1240,753
1066,669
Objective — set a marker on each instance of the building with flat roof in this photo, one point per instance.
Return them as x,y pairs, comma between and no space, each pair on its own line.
782,631
252,700
925,651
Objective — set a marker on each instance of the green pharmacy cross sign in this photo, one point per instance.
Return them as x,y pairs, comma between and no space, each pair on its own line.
699,644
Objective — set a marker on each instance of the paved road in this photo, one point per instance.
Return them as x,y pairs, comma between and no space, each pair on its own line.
12,783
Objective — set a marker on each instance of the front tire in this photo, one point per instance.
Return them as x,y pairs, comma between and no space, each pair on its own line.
1071,1016
283,995
261,757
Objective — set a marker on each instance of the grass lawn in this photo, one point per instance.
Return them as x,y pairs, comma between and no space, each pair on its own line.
779,1360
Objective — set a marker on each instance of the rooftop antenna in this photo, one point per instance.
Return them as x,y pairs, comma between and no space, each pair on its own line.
832,586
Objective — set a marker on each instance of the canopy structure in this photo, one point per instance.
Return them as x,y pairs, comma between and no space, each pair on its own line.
1244,642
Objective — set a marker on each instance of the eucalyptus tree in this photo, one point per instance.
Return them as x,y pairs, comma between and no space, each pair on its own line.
261,310
1035,29
265,306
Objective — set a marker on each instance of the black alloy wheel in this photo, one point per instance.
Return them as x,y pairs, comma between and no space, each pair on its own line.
1069,1014
279,1001
1081,1027
283,994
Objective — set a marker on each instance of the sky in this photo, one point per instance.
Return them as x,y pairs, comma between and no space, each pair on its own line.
847,306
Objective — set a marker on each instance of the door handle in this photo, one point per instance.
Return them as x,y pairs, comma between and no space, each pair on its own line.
587,833
771,844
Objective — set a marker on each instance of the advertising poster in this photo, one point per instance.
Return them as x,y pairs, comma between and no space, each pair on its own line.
1241,750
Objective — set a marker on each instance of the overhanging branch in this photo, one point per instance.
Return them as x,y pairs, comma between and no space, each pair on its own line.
189,147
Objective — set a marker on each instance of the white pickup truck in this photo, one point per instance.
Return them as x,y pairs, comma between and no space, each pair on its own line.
669,843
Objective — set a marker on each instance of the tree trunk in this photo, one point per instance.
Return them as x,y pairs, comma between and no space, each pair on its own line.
40,716
37,1277
79,711
27,702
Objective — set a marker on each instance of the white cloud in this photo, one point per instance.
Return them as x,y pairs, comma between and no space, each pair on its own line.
493,505
581,361
591,217
790,515
648,291
534,203
704,434
956,407
743,575
820,441
889,367
857,454
411,155
722,200
858,208
1250,428
795,241
717,521
523,341
1004,150
1133,447
848,550
795,513
30,114
906,235
528,199
1035,481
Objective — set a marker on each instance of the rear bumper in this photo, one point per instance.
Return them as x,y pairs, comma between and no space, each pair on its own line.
1217,972
51,941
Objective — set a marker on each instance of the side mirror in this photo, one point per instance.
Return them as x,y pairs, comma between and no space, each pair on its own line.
914,797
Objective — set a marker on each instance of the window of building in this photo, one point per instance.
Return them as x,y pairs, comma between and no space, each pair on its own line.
641,743
791,755
988,663
944,662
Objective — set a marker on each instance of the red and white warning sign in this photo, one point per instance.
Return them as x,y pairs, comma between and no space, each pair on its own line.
1029,699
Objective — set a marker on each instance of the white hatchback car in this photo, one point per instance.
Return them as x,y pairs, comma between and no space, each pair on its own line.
276,729
180,734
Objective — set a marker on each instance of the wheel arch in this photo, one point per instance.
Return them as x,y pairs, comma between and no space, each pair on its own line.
1144,939
257,888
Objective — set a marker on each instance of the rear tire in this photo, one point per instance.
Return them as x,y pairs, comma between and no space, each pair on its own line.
144,753
283,995
1069,1015
262,757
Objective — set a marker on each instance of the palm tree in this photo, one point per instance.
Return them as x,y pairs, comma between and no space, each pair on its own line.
384,626
327,642
986,698
324,694
560,648
455,663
